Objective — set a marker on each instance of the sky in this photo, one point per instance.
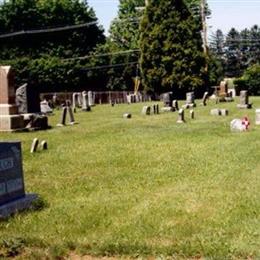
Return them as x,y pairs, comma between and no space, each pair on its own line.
225,13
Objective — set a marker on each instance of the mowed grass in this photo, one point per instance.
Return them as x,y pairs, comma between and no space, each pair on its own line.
142,187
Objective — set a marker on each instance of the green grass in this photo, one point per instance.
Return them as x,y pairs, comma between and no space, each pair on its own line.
141,187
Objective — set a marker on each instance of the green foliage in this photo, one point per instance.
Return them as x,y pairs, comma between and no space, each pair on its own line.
250,80
238,50
171,48
215,70
41,58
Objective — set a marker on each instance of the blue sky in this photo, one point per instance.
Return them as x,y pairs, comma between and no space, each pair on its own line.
225,13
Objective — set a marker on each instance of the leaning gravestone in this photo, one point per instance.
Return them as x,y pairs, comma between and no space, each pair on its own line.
10,120
244,101
236,125
12,194
204,99
27,99
45,108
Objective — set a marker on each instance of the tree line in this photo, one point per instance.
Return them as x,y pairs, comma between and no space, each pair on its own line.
160,44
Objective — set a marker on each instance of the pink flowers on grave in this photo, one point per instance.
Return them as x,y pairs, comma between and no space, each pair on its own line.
246,122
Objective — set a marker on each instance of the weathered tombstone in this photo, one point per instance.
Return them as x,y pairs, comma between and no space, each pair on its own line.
146,110
157,109
223,89
244,100
71,115
190,101
12,192
223,112
167,99
204,99
27,99
63,116
75,101
44,145
10,120
257,116
45,108
181,116
215,112
175,105
192,115
85,102
127,115
34,145
91,99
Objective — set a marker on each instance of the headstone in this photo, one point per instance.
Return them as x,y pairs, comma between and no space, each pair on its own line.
257,116
167,99
146,110
71,115
192,115
215,112
190,99
34,145
204,99
244,100
223,112
45,108
127,115
12,192
27,99
44,145
181,116
91,99
157,109
175,105
85,102
223,89
10,120
63,116
236,125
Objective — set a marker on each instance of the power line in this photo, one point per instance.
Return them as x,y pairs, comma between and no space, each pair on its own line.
111,66
103,54
50,30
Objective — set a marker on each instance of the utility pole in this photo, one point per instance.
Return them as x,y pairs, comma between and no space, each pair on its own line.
204,30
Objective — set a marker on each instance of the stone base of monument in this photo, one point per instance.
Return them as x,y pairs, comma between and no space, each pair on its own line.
17,205
11,123
35,122
247,106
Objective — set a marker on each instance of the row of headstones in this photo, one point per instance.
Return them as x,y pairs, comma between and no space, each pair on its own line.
84,100
147,111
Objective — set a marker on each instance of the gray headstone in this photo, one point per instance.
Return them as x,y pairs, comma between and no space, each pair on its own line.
204,99
85,102
244,100
63,116
181,116
27,99
146,110
45,108
167,99
44,145
34,145
215,112
127,115
257,116
190,98
12,191
192,115
175,105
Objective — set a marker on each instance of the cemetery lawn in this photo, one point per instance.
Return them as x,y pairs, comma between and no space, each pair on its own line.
141,187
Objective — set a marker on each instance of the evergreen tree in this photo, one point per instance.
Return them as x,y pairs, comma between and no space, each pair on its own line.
171,48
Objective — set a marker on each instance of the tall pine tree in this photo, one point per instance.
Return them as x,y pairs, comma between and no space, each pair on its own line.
171,48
